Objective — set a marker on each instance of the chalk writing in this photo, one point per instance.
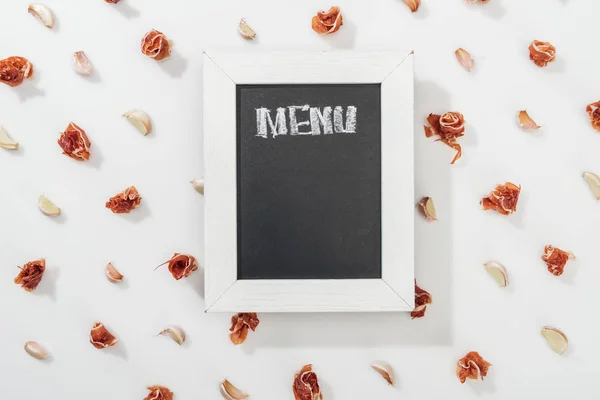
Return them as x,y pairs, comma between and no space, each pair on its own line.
328,121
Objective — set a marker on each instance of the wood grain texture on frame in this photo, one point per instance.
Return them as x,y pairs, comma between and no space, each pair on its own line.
219,180
394,71
308,67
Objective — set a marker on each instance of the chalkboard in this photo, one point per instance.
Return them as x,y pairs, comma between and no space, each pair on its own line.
309,181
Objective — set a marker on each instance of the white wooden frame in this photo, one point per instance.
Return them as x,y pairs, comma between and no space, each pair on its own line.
223,291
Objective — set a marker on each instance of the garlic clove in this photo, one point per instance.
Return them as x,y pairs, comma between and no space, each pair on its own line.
413,4
35,350
140,120
47,207
556,339
526,122
245,30
230,392
112,274
385,370
42,13
592,180
176,334
6,142
81,64
498,272
427,208
198,185
464,58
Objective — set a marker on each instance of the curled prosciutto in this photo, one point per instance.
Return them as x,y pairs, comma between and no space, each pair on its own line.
306,385
112,1
31,274
556,259
472,366
156,45
422,298
101,338
326,22
181,265
502,199
14,69
241,323
449,127
75,143
159,393
122,203
593,111
541,53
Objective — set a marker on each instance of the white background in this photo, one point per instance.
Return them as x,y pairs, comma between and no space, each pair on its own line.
469,312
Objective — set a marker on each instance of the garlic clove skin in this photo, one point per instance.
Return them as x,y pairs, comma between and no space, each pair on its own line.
140,120
6,142
245,30
176,334
556,339
464,58
498,272
385,370
526,122
112,274
81,64
35,350
198,185
591,178
413,4
47,207
230,392
42,13
427,208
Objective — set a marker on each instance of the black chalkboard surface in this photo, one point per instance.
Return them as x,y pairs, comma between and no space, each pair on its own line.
309,181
